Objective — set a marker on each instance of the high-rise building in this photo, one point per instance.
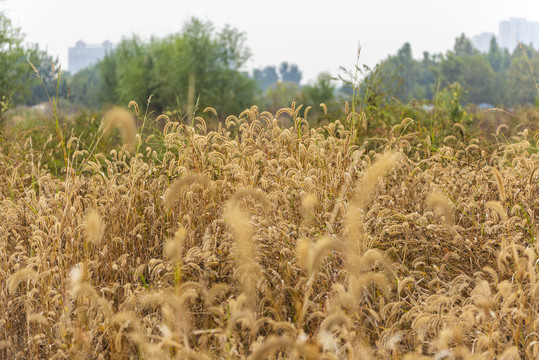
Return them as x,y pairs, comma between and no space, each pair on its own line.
83,55
482,41
517,30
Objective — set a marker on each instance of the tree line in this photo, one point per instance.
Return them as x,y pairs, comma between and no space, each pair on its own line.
498,77
199,66
203,66
200,60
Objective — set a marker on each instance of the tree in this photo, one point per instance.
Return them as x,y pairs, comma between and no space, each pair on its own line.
169,75
322,91
85,86
109,82
494,55
463,46
134,74
281,94
499,60
289,73
15,73
401,74
471,69
199,58
265,77
404,55
427,77
521,84
479,80
214,60
47,84
231,48
498,77
473,73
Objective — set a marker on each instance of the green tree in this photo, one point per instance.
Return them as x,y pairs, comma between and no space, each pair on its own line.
213,59
289,72
322,91
479,79
47,84
227,88
471,69
169,75
427,78
85,87
265,77
134,71
199,57
463,46
499,60
16,75
495,55
498,77
400,73
404,55
521,84
281,94
108,80
473,73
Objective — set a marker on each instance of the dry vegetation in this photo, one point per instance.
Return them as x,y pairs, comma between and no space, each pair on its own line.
257,241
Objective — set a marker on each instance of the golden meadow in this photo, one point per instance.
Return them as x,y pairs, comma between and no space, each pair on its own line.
267,238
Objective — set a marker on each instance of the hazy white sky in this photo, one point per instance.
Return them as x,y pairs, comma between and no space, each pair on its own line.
316,35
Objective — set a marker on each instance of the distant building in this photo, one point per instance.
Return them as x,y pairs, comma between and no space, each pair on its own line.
518,29
510,33
83,55
482,41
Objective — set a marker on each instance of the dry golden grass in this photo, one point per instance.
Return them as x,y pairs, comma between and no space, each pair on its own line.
256,241
122,119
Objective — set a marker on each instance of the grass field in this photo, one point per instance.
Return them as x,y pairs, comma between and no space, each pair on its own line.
259,240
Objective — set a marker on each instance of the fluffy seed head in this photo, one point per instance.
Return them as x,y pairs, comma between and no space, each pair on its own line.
19,276
498,207
124,120
499,182
370,180
76,277
174,247
308,202
303,251
178,185
441,202
93,226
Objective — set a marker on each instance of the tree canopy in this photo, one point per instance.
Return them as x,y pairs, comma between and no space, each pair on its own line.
203,65
162,68
497,77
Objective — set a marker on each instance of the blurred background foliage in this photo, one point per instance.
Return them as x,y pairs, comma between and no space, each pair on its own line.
202,66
